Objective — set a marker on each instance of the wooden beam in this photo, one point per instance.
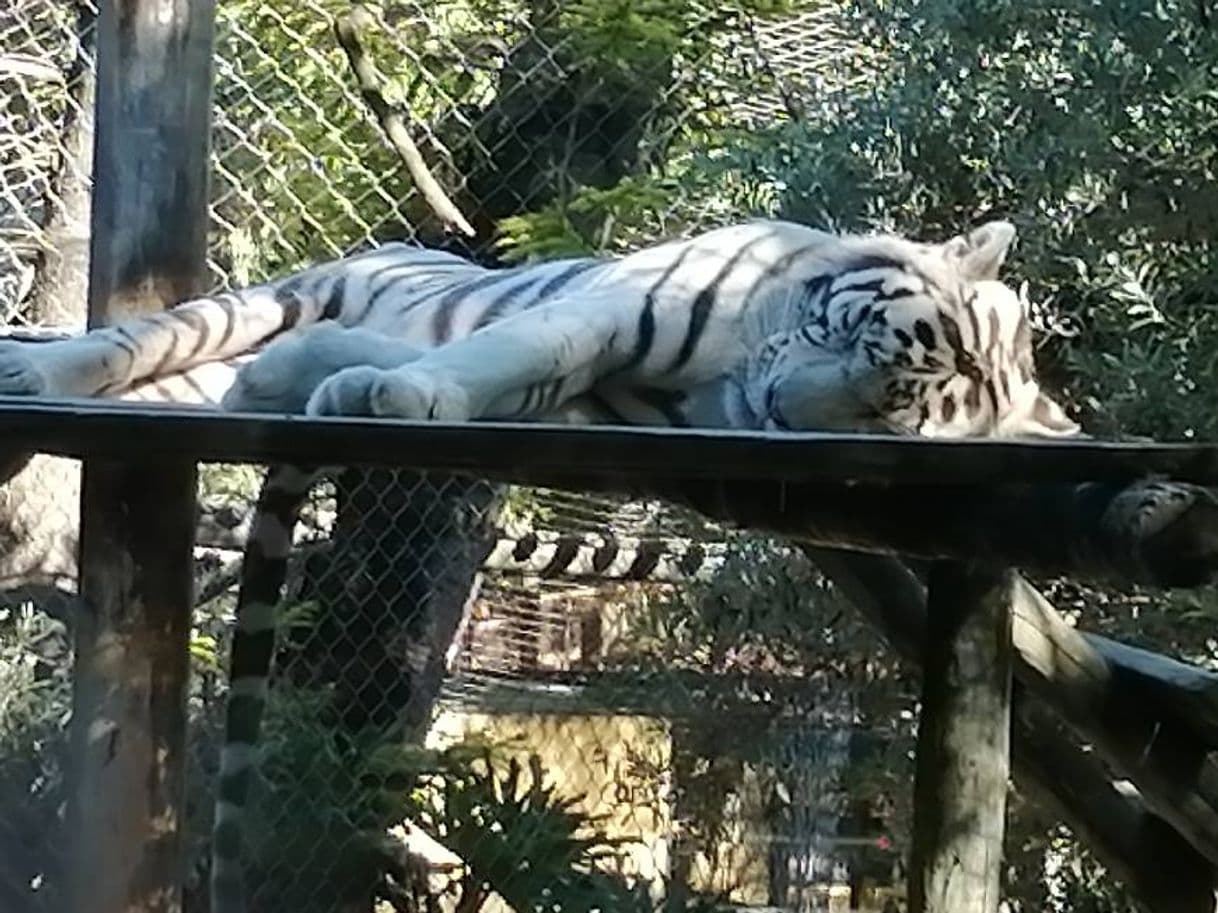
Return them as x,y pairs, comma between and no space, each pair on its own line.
1124,530
1148,717
149,226
1189,693
1166,872
1145,732
1157,533
963,750
84,427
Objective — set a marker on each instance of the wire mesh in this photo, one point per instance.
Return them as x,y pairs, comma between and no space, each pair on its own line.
45,150
456,722
708,736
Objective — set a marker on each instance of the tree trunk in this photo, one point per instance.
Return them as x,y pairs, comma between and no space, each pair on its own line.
61,286
391,592
388,595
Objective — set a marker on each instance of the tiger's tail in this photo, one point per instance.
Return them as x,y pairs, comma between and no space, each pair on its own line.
263,571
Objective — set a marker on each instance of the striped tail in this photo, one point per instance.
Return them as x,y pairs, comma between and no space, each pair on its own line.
600,558
262,575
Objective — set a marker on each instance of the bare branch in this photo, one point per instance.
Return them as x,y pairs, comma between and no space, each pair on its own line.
30,67
393,124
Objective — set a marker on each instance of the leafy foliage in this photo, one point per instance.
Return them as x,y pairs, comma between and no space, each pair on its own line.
532,847
516,836
34,698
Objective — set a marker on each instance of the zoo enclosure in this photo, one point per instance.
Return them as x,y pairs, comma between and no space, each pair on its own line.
1091,556
299,172
725,483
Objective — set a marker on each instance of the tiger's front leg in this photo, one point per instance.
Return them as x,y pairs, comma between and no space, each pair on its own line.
284,377
526,365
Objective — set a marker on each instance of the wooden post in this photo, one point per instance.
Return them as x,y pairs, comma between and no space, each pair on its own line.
963,762
149,226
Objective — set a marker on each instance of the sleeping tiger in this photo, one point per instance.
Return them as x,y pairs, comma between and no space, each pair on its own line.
763,325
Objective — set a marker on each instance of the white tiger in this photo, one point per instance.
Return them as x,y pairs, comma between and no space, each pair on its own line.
764,325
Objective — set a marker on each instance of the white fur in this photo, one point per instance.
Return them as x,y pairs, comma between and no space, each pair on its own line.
571,357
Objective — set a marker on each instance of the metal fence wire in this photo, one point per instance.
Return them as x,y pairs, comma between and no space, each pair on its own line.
468,712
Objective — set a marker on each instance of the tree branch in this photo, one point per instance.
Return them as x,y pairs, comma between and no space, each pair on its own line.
393,125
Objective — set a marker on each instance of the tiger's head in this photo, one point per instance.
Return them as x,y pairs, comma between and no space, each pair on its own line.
911,338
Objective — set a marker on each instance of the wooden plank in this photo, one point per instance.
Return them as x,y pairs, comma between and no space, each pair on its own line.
963,750
1159,869
1156,862
1157,533
1146,730
1190,692
113,429
148,231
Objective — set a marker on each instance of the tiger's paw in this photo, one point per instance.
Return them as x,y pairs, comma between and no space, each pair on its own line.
19,375
346,392
369,391
412,394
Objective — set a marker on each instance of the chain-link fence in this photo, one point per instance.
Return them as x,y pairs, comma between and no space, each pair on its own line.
486,698
704,733
724,733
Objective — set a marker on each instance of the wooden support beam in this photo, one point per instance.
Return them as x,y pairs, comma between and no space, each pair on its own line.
1151,532
529,452
1157,533
1103,691
149,227
1166,872
1161,870
963,753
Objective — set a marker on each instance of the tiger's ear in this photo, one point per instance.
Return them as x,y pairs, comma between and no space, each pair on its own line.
981,253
